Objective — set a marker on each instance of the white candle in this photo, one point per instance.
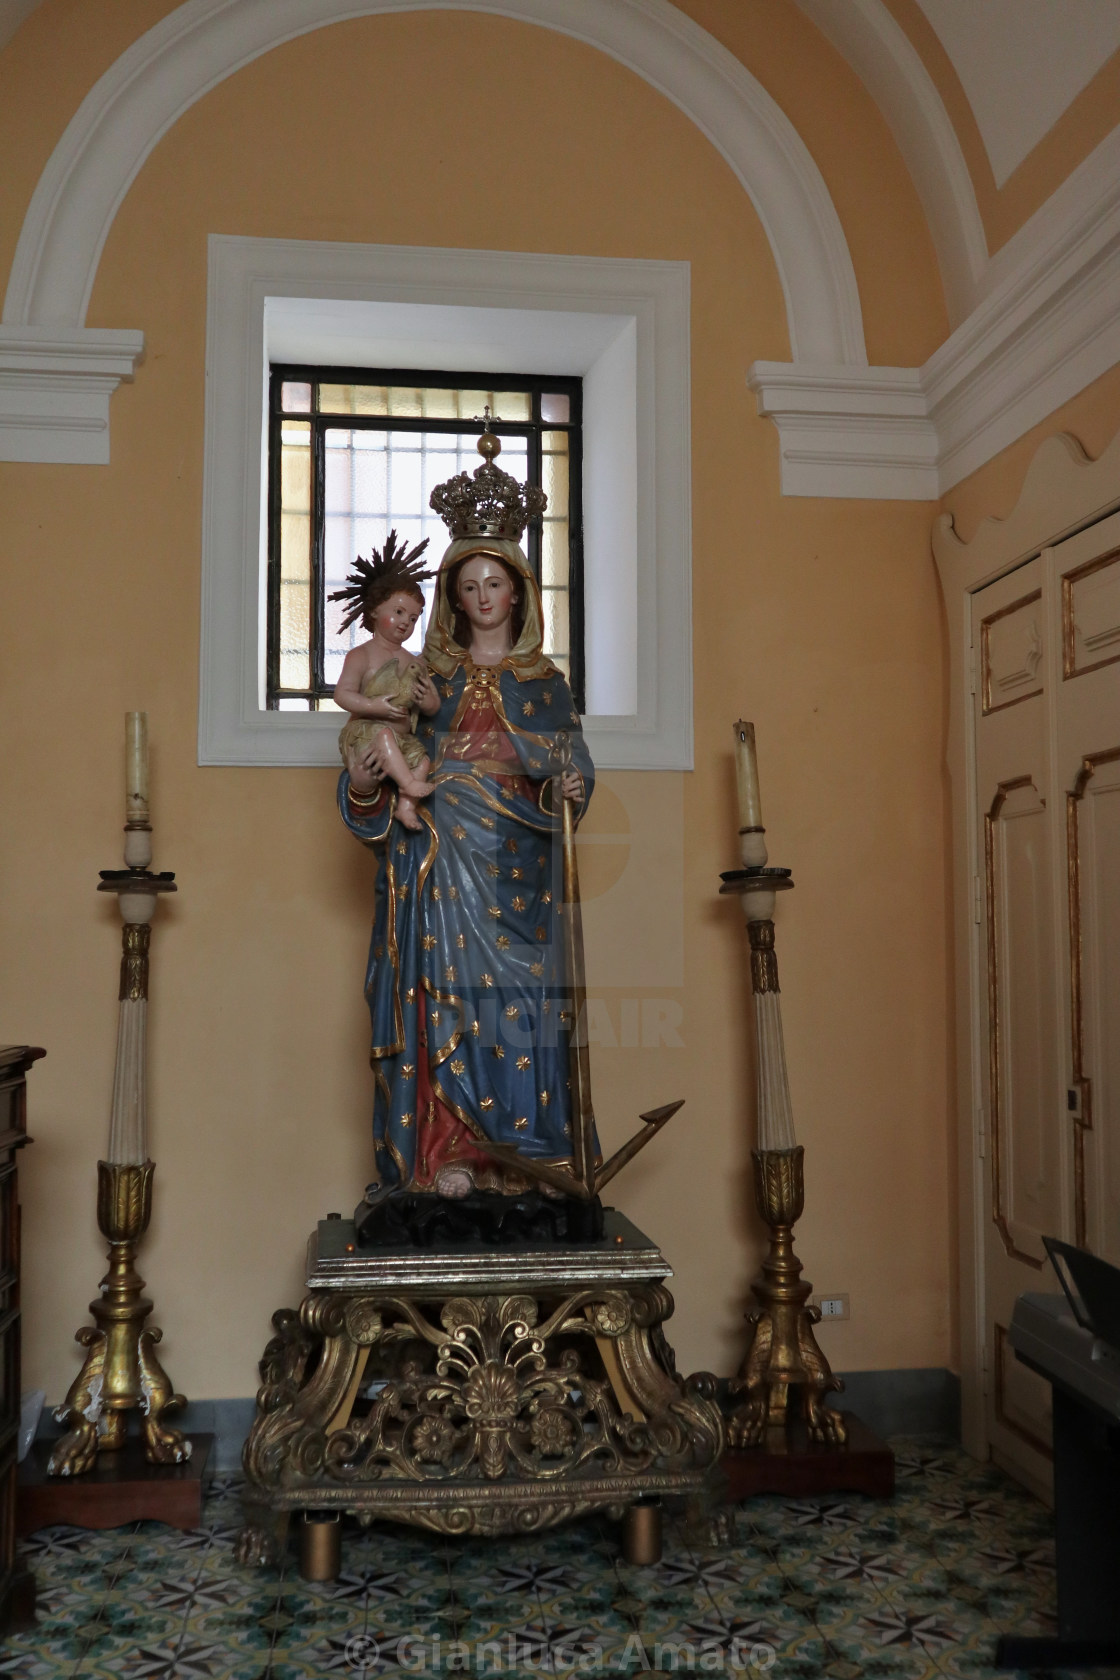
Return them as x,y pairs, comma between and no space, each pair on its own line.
136,766
746,777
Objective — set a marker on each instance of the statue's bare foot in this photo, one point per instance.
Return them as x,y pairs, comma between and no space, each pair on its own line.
406,813
417,788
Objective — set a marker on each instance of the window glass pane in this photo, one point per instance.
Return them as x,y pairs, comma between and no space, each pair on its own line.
555,528
378,479
405,402
436,404
404,476
555,621
511,405
472,403
514,458
295,396
554,553
554,470
353,399
293,705
557,407
295,554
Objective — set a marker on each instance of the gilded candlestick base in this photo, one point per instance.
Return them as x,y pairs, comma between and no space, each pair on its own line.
120,1372
783,1352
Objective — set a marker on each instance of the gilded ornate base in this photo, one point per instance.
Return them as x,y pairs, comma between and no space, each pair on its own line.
120,1372
474,1405
783,1350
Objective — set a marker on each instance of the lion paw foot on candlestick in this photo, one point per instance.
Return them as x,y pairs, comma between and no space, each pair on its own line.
261,1545
76,1452
747,1426
256,1549
825,1426
705,1523
163,1445
80,1412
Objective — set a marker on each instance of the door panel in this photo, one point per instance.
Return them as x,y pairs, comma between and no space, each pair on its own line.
1046,720
1085,578
1026,1158
1021,1099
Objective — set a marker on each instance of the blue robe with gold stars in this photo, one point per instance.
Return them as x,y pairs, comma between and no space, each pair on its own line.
466,975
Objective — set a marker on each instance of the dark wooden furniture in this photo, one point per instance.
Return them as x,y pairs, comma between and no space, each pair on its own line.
1083,1370
17,1590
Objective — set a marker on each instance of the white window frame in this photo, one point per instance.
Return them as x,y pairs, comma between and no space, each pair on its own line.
623,325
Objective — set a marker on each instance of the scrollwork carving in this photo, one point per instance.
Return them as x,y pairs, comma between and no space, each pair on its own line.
471,1399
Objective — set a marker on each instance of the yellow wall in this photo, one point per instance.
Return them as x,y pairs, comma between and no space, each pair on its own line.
818,619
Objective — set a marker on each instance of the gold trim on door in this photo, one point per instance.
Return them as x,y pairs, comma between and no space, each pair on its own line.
1082,1122
1070,667
999,1218
985,657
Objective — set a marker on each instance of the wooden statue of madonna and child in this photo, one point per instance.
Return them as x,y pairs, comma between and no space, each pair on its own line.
481,1350
467,774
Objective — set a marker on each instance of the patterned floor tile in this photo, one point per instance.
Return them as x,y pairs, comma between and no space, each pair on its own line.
833,1589
31,1665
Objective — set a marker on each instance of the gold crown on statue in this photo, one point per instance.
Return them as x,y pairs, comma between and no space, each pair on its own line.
488,503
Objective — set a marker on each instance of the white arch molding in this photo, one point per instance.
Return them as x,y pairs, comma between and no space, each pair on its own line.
197,46
885,59
1039,325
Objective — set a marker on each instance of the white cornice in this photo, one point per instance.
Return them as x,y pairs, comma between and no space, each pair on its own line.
849,431
1048,325
885,59
55,387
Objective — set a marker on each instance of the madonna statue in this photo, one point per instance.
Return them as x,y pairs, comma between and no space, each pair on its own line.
468,995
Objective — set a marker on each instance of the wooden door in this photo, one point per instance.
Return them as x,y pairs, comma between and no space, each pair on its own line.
1022,1097
1046,718
1085,586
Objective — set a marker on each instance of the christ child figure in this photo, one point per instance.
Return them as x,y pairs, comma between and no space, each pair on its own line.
383,686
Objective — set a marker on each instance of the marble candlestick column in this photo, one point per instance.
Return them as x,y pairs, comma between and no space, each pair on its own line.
783,1351
121,1372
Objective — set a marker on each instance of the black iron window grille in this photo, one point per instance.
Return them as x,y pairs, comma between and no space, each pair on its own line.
356,452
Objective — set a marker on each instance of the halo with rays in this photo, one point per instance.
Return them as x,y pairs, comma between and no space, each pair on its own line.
386,571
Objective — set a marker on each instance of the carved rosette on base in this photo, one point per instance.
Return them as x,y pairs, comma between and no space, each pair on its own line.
491,1411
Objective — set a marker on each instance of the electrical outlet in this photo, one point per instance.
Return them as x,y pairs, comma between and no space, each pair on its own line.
832,1307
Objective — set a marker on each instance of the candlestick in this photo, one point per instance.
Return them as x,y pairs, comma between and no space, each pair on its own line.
746,777
121,1372
783,1352
136,767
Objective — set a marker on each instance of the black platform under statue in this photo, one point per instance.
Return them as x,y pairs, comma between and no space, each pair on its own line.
404,1219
